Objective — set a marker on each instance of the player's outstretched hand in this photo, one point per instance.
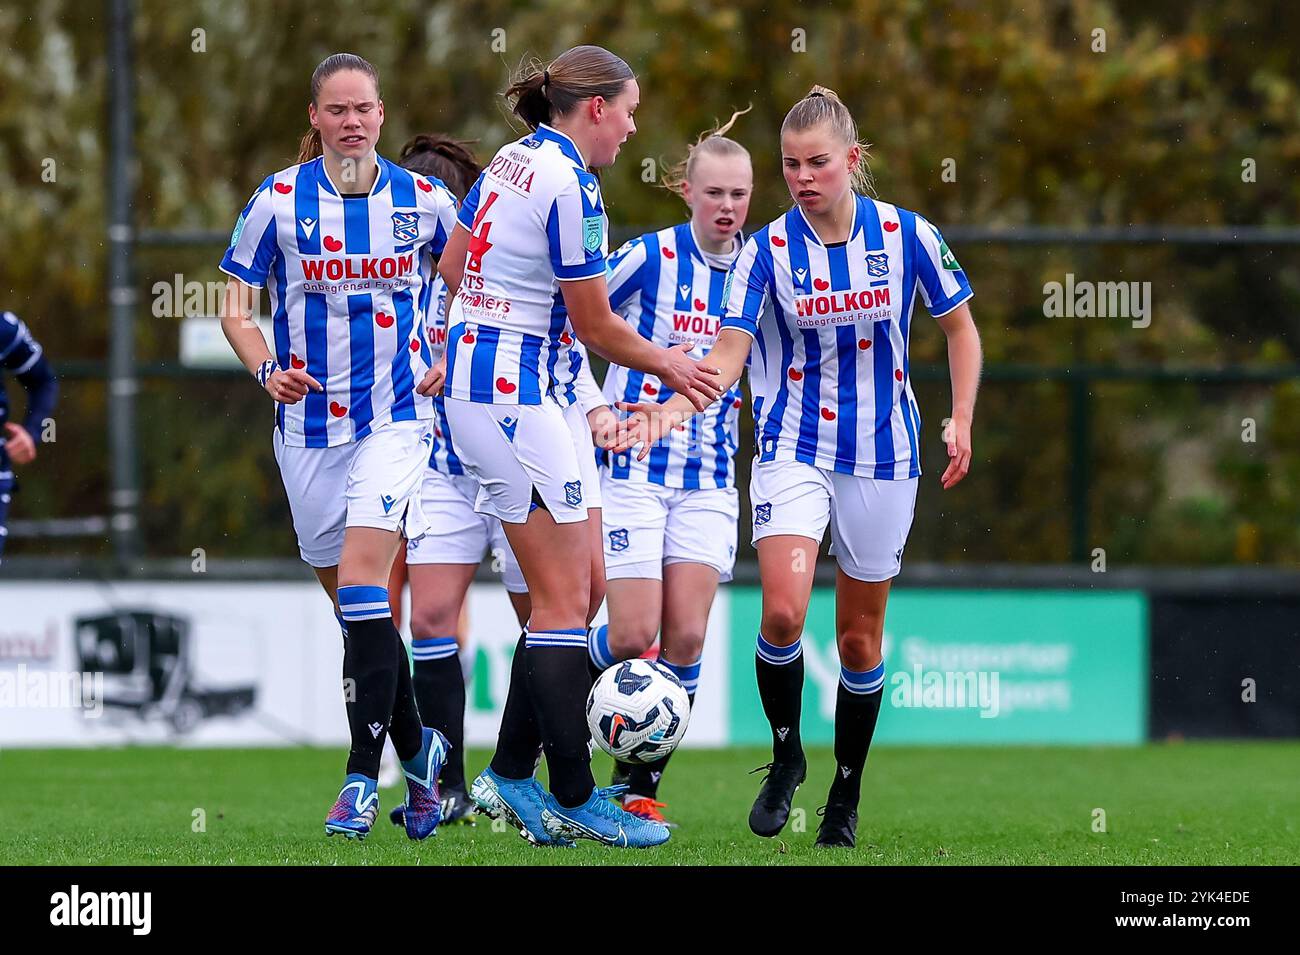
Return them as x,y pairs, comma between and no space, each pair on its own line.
290,386
19,444
645,425
957,438
606,427
434,379
690,378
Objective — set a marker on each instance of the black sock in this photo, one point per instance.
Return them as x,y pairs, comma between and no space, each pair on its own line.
558,684
369,674
780,686
644,778
440,693
519,739
406,730
857,704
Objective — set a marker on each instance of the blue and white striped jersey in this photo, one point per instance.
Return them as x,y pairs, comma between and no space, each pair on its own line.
535,219
662,285
21,356
347,292
442,457
829,368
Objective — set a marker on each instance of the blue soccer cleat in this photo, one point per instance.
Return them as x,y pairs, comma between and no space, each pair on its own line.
602,821
355,810
422,810
518,802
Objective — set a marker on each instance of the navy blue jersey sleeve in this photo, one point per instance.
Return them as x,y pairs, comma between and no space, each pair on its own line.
21,354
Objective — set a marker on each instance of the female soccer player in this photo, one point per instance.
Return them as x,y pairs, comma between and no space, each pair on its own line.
837,430
21,355
337,240
670,521
527,258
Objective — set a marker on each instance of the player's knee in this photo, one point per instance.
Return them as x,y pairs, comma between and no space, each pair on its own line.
684,645
860,650
782,623
631,639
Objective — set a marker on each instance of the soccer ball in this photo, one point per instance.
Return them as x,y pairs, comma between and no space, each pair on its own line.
638,711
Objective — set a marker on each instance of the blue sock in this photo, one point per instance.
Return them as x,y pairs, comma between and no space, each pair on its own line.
863,681
688,673
598,647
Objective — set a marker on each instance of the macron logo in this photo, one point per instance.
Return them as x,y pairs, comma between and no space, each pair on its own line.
592,190
376,729
308,226
103,908
782,733
388,502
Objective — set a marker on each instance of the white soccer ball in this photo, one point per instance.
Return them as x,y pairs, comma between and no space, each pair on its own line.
638,711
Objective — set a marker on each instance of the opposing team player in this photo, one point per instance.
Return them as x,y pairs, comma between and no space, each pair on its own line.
526,259
337,240
837,430
21,355
670,520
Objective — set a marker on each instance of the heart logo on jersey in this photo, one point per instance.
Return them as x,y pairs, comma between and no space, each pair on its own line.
296,362
649,389
338,410
415,344
864,343
468,338
566,339
669,254
795,374
384,320
821,285
700,306
332,244
737,403
828,414
778,242
283,188
425,185
898,373
506,387
891,226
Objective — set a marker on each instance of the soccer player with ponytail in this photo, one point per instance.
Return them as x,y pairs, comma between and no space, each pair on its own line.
670,521
525,271
337,240
837,429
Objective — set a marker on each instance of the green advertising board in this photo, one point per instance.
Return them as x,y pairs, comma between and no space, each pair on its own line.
969,666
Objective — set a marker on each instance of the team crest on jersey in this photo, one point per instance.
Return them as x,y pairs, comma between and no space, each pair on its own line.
406,226
573,493
877,264
593,230
618,539
762,514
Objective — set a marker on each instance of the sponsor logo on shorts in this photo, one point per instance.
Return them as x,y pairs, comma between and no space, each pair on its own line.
573,493
388,501
618,539
762,514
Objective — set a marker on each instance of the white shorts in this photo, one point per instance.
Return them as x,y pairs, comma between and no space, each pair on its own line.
647,525
457,534
374,482
869,518
523,453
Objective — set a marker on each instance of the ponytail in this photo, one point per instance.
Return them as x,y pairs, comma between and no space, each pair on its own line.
542,94
310,147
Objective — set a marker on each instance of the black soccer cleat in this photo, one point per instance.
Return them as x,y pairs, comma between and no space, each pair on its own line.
839,826
772,807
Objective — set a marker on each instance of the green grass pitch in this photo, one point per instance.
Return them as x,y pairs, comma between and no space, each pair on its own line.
1171,804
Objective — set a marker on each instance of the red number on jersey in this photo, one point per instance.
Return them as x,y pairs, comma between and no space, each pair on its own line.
478,237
